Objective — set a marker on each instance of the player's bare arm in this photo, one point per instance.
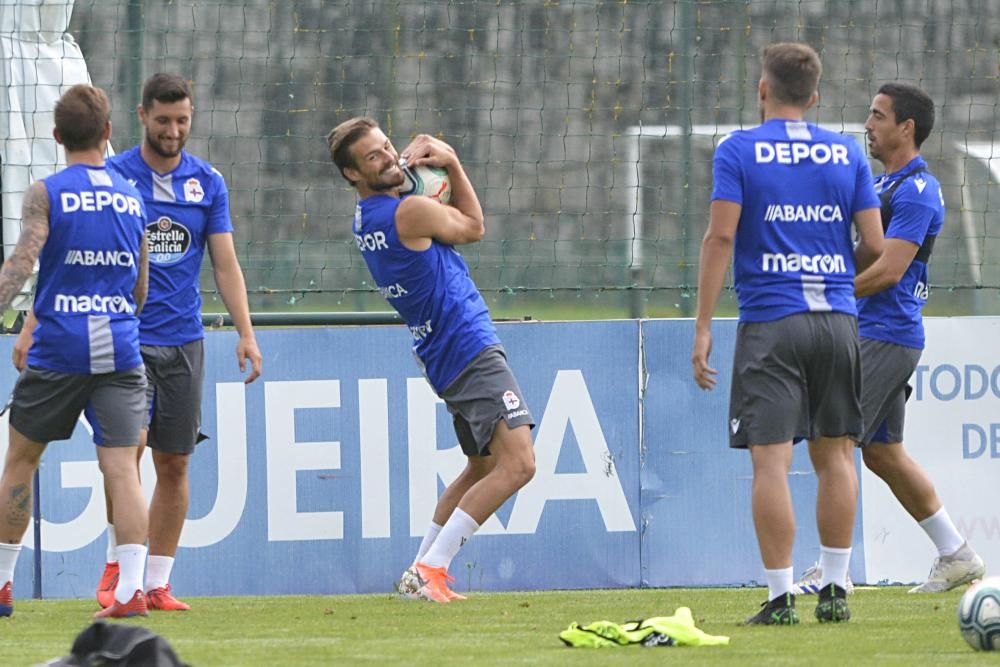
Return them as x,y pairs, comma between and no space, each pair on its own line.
460,222
233,288
716,251
141,290
34,232
420,219
888,269
19,355
868,222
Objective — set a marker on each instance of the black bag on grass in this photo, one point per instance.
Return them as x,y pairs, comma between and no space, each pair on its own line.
112,645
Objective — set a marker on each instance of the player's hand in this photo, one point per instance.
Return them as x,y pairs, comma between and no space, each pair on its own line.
246,350
19,355
430,151
704,374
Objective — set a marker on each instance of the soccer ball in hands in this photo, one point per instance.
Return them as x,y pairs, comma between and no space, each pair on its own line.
979,615
431,182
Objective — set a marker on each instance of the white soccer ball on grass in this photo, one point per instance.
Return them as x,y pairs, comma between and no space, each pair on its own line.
979,615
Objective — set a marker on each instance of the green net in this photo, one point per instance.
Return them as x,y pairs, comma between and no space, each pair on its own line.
587,127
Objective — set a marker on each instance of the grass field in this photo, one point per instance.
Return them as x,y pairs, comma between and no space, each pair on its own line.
889,627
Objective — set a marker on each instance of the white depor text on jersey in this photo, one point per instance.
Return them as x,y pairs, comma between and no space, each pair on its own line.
371,241
93,201
793,152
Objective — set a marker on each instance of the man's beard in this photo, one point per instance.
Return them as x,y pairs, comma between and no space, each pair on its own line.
158,148
382,185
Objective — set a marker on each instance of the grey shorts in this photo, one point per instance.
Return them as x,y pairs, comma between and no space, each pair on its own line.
176,375
885,370
797,378
484,393
46,405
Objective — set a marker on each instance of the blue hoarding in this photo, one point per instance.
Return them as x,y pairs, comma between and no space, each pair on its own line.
322,476
695,489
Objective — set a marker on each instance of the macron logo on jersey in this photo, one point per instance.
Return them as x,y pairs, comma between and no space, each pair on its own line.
91,303
93,201
100,258
799,213
793,152
780,262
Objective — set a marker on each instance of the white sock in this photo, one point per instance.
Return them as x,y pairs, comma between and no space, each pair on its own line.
834,563
779,581
8,558
112,554
158,571
429,537
942,531
132,562
459,528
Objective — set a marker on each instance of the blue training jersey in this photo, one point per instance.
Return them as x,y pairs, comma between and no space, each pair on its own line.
799,187
431,289
917,204
185,206
86,274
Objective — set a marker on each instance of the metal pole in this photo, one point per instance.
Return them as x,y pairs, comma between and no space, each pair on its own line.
306,319
133,85
36,511
686,28
636,307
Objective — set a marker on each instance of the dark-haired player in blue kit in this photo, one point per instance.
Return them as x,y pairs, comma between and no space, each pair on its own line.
188,206
895,289
786,194
407,244
85,226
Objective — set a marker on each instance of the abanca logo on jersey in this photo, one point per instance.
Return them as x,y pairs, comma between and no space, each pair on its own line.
168,241
803,213
100,258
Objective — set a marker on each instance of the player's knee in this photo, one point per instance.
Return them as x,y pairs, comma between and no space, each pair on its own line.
877,459
117,468
171,468
522,468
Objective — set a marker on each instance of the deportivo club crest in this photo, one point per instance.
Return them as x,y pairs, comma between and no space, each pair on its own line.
193,191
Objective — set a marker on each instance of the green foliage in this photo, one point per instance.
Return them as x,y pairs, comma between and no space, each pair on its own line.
888,627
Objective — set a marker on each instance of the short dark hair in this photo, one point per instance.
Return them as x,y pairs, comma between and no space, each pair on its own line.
792,71
341,138
910,102
81,115
166,88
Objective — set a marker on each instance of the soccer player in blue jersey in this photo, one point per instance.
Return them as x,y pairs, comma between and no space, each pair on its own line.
785,195
188,206
407,244
890,323
85,226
